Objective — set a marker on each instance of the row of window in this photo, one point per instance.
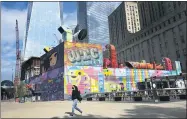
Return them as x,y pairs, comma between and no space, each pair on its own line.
150,31
154,13
141,55
166,43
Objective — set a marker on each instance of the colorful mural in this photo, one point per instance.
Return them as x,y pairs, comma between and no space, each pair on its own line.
50,84
82,54
86,78
97,79
127,79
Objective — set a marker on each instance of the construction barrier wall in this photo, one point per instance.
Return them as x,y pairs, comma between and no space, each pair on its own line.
97,79
53,59
81,64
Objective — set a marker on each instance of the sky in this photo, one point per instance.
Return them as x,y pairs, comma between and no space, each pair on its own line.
10,11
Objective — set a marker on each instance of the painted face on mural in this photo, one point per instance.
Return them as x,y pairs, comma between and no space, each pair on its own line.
53,59
78,77
75,74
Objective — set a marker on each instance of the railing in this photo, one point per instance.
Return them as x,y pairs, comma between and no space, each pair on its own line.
167,94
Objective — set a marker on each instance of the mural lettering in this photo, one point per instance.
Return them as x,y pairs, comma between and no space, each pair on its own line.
83,54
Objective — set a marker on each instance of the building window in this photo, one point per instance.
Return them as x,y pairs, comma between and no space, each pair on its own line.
179,3
142,54
166,44
139,55
178,54
154,58
182,39
184,51
141,35
169,21
164,24
151,30
179,16
174,19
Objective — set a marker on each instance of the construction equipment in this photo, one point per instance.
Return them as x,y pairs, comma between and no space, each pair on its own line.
18,57
71,35
58,40
47,49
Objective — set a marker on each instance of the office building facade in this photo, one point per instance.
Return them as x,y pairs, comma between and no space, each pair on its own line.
93,16
162,34
43,20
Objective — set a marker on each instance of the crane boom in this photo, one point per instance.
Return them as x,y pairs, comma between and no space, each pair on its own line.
18,52
58,40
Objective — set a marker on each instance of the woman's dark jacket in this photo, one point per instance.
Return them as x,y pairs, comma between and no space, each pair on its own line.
75,94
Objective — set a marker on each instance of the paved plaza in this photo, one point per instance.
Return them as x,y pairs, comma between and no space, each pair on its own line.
93,109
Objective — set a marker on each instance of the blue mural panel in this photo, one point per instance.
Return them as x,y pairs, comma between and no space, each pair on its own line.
52,85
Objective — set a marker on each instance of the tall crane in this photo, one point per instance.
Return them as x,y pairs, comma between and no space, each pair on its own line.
18,57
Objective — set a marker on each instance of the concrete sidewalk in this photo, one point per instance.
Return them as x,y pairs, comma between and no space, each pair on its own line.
58,109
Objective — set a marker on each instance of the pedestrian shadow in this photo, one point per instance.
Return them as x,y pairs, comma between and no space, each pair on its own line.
145,111
79,116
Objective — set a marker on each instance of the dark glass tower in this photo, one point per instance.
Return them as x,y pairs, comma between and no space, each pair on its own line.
93,16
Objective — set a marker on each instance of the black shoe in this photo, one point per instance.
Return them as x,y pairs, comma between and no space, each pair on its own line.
71,114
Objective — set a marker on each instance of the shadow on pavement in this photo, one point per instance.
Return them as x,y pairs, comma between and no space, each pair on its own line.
79,116
145,111
140,102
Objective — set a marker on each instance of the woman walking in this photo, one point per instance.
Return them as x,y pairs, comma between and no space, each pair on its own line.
75,97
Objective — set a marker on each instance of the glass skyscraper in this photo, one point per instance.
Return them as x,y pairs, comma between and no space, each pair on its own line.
43,21
93,16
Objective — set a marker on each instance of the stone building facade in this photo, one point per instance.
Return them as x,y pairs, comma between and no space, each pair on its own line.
30,68
162,34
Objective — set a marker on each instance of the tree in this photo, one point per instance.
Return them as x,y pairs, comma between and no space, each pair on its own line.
21,90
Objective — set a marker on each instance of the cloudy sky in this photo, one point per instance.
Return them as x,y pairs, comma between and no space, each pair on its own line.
10,11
